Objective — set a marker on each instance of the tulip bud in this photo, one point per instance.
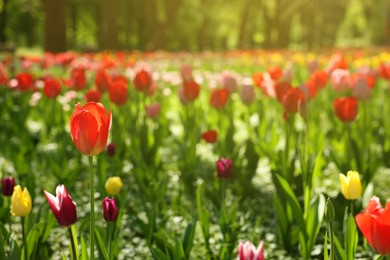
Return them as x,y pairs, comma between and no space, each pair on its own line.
63,207
247,251
111,150
113,185
110,211
329,210
20,202
7,186
224,168
351,186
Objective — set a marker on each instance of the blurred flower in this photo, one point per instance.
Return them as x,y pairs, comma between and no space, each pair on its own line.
92,95
336,62
219,98
52,88
186,72
62,205
351,186
293,100
374,223
346,108
25,81
20,202
257,79
248,94
190,90
384,71
153,110
247,251
7,186
113,185
102,81
229,82
275,72
78,78
143,80
318,79
110,210
281,88
111,149
89,127
224,168
118,92
361,89
210,136
340,79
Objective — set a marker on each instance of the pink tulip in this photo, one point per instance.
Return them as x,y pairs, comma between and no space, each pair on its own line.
186,72
229,82
340,79
153,110
63,207
247,251
248,94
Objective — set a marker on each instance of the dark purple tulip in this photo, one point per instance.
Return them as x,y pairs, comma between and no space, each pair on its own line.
7,186
63,207
224,168
111,150
110,211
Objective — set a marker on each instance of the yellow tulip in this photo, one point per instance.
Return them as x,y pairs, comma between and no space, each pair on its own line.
113,185
351,186
20,202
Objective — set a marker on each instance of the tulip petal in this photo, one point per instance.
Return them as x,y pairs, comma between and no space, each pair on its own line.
88,134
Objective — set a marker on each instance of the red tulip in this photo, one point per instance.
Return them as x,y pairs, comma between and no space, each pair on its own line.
374,223
384,71
143,80
102,81
219,98
62,205
52,88
247,251
7,186
78,78
89,127
318,79
190,90
293,100
110,211
275,72
224,168
210,136
346,108
281,88
93,95
118,92
258,79
25,81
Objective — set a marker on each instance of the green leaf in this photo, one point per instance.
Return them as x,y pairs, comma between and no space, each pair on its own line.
2,244
84,250
351,237
158,254
367,195
100,245
33,238
14,251
314,220
340,253
76,244
294,204
326,255
188,238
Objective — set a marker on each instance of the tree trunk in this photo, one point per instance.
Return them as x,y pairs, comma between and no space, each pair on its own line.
55,26
3,22
109,26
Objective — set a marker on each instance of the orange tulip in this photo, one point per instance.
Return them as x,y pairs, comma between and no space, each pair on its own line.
118,92
219,98
346,108
89,127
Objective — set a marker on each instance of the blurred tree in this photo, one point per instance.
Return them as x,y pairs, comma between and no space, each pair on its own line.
108,25
55,26
3,21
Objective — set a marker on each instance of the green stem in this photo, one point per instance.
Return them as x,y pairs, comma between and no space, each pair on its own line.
92,207
331,240
74,255
24,239
109,239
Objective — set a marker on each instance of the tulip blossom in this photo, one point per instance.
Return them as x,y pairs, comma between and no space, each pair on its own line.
25,81
224,168
374,223
361,88
281,89
351,186
186,72
248,94
111,149
219,98
247,251
275,72
93,95
191,90
110,210
346,108
78,78
113,185
7,186
52,88
153,110
384,71
210,136
143,80
293,100
229,82
118,92
89,127
102,81
62,205
20,202
341,80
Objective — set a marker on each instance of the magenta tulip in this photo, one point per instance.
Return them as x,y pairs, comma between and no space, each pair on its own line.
63,207
110,211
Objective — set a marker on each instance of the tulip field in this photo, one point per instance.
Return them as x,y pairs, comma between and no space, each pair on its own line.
211,155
